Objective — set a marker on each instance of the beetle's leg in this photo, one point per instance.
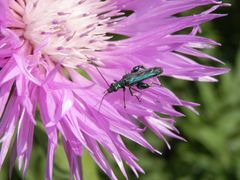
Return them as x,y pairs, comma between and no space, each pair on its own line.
130,89
155,84
136,68
124,98
142,85
135,90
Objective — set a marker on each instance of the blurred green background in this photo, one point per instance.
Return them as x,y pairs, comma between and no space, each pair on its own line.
213,148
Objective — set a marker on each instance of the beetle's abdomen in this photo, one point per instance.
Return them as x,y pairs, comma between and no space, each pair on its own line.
135,78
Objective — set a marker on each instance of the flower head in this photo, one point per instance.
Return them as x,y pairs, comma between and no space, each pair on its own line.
45,43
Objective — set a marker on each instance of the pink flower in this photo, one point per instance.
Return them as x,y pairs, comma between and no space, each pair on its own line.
44,44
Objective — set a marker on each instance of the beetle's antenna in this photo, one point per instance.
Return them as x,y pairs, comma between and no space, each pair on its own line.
102,76
96,66
105,94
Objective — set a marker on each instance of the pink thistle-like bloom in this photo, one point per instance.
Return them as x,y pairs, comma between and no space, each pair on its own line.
44,44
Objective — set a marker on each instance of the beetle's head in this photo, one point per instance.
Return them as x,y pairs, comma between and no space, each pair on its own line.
113,88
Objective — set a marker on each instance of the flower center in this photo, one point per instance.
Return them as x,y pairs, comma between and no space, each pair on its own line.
69,31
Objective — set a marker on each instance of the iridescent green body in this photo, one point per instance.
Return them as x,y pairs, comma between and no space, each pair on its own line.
141,75
136,77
